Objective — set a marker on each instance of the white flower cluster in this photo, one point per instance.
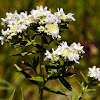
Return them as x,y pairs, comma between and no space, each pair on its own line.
50,29
48,22
72,52
94,72
15,24
69,17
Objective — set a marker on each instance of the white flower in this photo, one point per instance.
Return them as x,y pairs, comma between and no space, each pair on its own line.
63,17
5,33
52,29
16,23
66,52
40,29
2,40
44,16
48,55
70,17
94,72
77,47
48,22
60,14
72,52
52,56
70,55
40,13
64,45
98,76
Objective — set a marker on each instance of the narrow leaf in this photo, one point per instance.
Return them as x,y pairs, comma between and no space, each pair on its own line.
65,83
29,43
39,79
73,97
74,91
90,90
6,88
18,68
84,77
6,82
22,94
26,53
26,75
53,91
11,97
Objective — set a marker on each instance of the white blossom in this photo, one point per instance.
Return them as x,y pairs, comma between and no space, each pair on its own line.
2,40
66,18
94,72
71,53
48,23
51,56
48,55
70,17
44,16
40,29
77,47
52,29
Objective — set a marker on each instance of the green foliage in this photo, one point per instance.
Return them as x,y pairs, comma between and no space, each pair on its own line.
8,85
65,83
53,91
11,97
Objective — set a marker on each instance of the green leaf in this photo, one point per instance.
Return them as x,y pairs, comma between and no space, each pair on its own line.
18,68
59,39
98,84
6,88
82,86
53,91
84,77
75,92
22,98
11,97
65,83
73,97
6,82
26,53
38,79
26,75
29,43
90,90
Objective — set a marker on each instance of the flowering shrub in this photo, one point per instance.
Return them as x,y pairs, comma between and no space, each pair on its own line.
57,62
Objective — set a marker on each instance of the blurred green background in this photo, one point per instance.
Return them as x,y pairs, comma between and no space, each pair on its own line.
86,30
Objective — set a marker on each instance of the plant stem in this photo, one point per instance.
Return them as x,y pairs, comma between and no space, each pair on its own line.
40,91
41,85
